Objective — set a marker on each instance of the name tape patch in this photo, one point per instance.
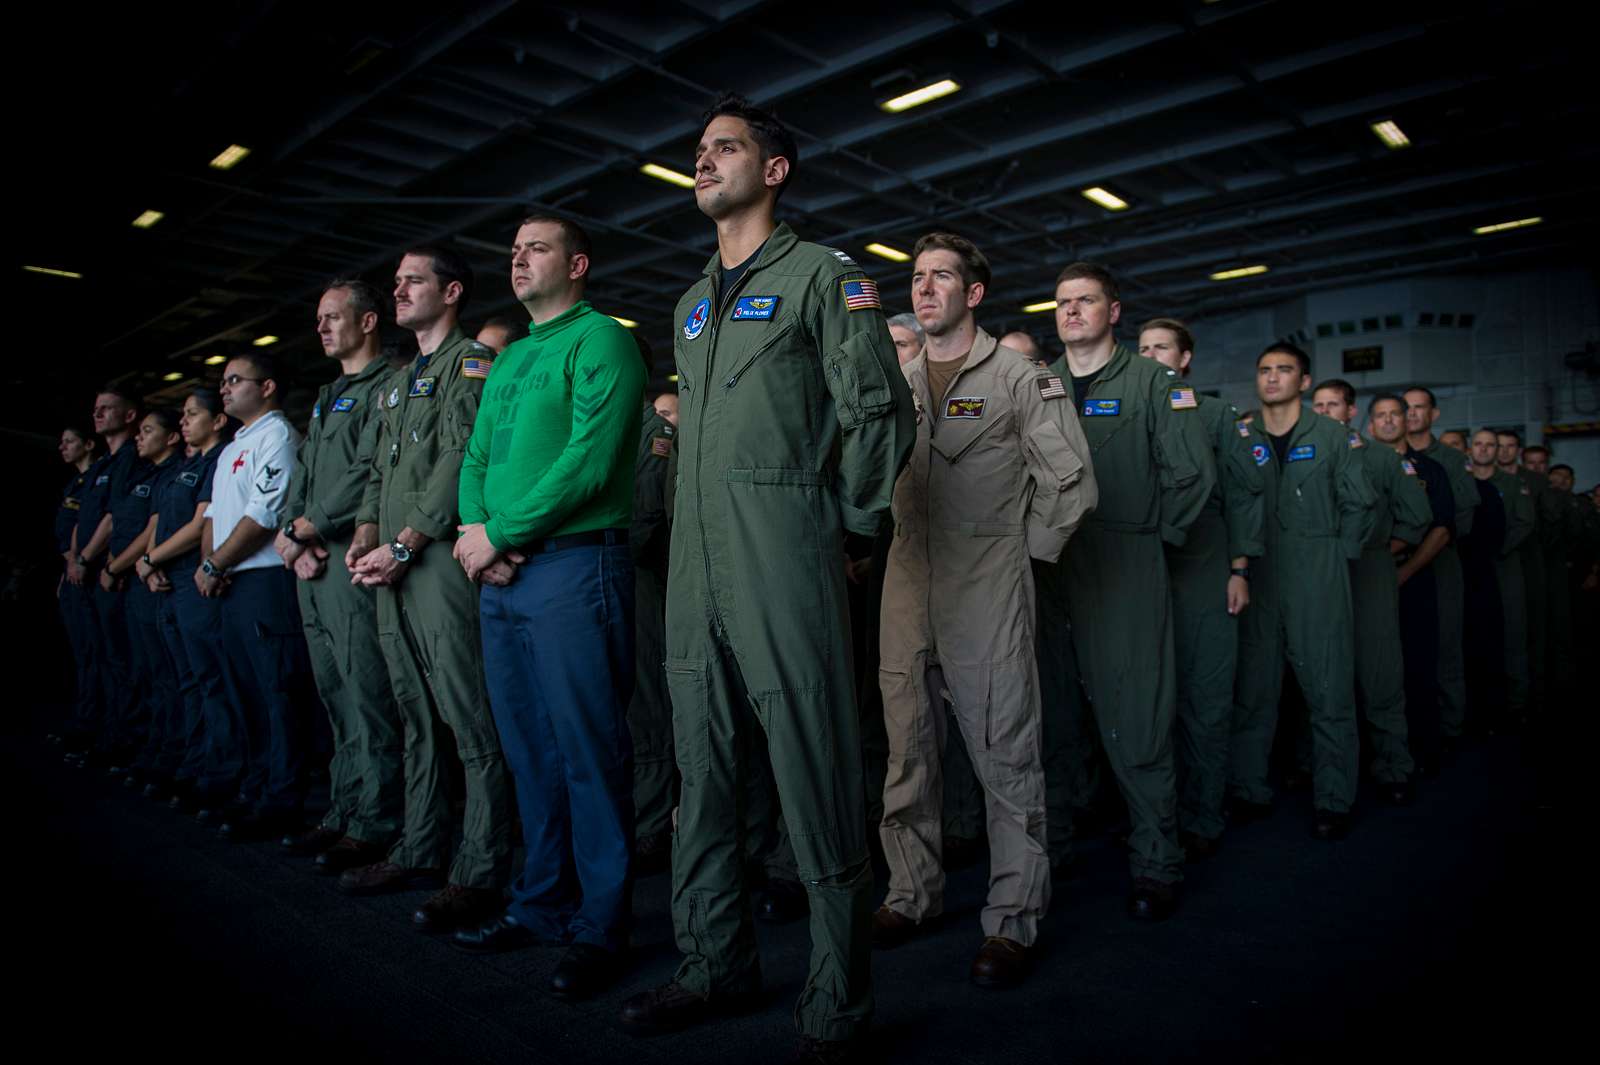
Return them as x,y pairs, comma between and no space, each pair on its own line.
964,406
142,491
755,308
1102,408
422,387
190,479
344,403
1302,453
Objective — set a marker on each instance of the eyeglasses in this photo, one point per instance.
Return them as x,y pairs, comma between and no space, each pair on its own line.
233,379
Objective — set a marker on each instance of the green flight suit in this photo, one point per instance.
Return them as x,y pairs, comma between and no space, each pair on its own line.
1319,513
366,779
1452,592
1534,550
655,770
1400,512
1562,533
1068,746
794,422
1521,524
428,621
1205,635
1155,474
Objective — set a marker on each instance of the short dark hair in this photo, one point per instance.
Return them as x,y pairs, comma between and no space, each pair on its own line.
1432,401
1564,466
1093,272
1380,397
448,265
1512,433
515,329
365,298
1283,347
573,236
974,266
1173,326
121,392
1536,447
1338,384
267,369
771,136
83,431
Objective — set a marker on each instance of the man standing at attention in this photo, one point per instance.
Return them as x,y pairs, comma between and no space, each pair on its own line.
795,422
547,486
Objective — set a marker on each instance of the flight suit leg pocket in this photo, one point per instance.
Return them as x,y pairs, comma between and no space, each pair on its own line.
689,685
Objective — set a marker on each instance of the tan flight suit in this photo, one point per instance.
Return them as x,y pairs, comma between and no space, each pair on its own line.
1000,472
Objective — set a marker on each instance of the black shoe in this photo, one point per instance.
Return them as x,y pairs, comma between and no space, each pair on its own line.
891,928
347,853
502,934
652,854
315,842
1000,963
672,1006
584,970
961,852
1327,825
1197,848
1151,900
782,901
1398,792
1241,812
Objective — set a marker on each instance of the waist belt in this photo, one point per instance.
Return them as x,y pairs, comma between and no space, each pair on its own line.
593,538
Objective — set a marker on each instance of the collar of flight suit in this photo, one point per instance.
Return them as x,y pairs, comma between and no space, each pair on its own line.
1121,358
782,239
983,347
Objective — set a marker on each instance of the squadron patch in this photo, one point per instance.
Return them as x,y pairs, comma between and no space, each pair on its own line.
695,324
661,446
1260,453
755,309
422,386
861,294
1182,398
344,404
964,406
394,396
1102,408
316,411
1302,453
1051,387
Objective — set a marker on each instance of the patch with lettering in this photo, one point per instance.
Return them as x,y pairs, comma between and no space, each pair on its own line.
142,491
1182,398
102,480
755,308
964,406
423,386
1051,387
1302,453
343,404
661,446
1102,408
190,478
1260,453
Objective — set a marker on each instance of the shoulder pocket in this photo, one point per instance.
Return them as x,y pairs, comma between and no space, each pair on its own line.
857,381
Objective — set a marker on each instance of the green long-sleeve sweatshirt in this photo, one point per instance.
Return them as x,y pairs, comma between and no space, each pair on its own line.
552,451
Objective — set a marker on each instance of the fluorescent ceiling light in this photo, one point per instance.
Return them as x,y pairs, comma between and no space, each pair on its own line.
1501,227
262,342
1105,198
1390,134
53,272
894,255
918,97
148,219
230,157
626,323
671,177
173,376
1035,308
1243,271
216,360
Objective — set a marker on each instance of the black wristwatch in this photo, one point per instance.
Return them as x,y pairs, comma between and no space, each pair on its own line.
211,570
1240,571
400,551
288,530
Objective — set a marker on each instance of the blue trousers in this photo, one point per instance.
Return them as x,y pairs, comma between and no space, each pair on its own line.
162,712
121,729
199,622
558,659
268,674
83,631
184,753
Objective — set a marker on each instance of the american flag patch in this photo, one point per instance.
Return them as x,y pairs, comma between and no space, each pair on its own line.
861,294
475,367
1182,398
661,445
1051,387
1355,440
1243,427
1409,467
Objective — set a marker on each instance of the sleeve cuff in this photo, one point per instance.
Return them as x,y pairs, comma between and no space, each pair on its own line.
263,516
1173,535
864,522
429,525
1044,543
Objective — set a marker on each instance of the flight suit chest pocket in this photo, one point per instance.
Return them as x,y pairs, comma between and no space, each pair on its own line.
954,437
1103,417
767,352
